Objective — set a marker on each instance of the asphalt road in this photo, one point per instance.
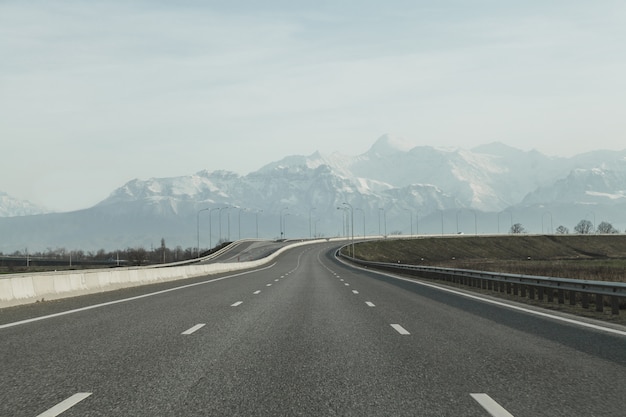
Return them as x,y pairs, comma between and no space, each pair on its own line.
249,250
307,336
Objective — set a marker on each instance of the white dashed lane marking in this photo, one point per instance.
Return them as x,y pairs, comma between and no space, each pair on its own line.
492,407
355,292
400,329
238,303
65,405
370,304
193,329
257,292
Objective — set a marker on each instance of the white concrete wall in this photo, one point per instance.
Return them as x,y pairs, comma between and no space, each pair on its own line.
28,288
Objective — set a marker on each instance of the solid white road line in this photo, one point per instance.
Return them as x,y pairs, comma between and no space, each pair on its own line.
370,304
193,329
490,405
257,292
238,303
499,303
355,292
65,405
400,329
124,300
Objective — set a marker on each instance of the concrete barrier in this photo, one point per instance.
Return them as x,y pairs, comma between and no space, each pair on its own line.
29,288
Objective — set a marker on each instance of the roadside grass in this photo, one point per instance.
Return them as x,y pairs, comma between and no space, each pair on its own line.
588,257
592,257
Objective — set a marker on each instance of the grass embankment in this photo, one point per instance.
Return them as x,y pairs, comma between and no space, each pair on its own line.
593,257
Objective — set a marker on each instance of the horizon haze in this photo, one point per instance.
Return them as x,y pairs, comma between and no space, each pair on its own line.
96,94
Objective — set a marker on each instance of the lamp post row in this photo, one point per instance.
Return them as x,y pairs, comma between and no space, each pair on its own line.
382,222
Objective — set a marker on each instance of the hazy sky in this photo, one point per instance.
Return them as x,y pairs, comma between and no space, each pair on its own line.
96,93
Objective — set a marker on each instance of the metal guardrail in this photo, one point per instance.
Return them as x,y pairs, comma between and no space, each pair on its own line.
533,287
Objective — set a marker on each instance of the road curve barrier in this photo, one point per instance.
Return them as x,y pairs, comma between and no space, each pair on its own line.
20,289
576,291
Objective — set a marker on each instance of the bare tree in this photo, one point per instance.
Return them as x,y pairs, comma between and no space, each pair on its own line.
562,230
517,228
606,228
584,227
137,256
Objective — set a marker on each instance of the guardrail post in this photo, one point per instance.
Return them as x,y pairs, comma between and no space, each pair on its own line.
599,303
614,305
527,286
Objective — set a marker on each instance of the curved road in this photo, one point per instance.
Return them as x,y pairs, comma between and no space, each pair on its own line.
248,250
307,336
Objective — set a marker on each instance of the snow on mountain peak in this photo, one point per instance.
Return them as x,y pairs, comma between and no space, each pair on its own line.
11,207
387,145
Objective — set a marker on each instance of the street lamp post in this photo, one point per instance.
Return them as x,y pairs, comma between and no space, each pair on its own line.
228,223
239,221
543,217
285,224
351,224
410,219
417,223
257,222
281,221
363,215
441,212
210,227
343,220
475,222
310,210
220,219
594,220
198,229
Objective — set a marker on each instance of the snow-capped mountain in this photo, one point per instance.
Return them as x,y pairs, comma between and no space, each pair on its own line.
11,207
489,178
594,186
394,187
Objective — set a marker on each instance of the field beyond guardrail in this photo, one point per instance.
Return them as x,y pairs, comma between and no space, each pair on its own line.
534,287
530,268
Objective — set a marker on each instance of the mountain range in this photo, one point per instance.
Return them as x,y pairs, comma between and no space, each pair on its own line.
393,188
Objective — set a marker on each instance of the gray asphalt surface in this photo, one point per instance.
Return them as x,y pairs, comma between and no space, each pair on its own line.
248,251
294,340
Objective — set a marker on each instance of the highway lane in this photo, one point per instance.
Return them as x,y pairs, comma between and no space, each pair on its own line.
249,250
309,336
